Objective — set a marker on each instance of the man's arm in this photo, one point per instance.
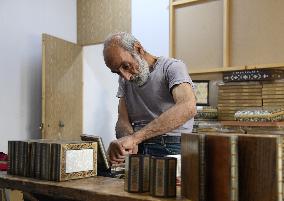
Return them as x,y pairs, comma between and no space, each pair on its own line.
123,126
116,153
183,110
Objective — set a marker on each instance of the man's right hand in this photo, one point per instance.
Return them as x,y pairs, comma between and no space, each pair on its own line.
116,153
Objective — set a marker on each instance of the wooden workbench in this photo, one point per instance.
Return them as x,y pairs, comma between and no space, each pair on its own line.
95,188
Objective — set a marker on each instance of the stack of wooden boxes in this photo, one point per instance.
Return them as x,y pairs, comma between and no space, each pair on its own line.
239,96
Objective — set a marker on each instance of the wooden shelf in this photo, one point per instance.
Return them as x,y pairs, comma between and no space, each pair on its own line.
260,124
236,68
183,2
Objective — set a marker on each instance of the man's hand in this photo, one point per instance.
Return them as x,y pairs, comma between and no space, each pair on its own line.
118,149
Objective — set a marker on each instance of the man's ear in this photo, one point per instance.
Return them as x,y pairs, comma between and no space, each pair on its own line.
138,48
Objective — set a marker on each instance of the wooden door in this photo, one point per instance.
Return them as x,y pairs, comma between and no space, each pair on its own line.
62,89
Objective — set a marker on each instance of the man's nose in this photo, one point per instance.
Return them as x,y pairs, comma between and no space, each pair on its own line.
125,74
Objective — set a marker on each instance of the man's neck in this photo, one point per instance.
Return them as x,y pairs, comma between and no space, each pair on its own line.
151,60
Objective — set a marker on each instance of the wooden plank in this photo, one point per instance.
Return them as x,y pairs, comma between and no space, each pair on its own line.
272,96
273,104
239,101
260,124
63,89
193,167
221,168
273,89
273,85
203,70
241,86
172,33
91,189
226,112
233,107
240,90
273,92
226,118
257,94
260,167
96,19
43,66
240,105
224,97
226,33
273,100
182,2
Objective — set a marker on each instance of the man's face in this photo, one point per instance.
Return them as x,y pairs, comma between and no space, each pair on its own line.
131,67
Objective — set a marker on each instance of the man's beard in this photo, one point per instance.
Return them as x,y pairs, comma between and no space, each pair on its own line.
144,72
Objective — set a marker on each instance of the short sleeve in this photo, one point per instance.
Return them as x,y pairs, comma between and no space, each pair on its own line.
121,88
176,73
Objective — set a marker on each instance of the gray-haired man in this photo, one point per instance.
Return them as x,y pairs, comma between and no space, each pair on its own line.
156,103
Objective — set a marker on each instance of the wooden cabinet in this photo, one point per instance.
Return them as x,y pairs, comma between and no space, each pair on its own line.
224,35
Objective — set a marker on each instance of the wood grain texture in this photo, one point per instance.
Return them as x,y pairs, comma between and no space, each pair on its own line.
192,166
62,89
256,104
220,98
239,101
241,86
91,189
273,85
240,90
219,171
258,168
273,104
257,124
97,19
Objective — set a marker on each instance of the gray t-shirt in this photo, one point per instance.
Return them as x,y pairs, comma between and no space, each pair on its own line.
149,101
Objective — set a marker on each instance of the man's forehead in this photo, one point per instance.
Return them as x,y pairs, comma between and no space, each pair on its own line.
112,57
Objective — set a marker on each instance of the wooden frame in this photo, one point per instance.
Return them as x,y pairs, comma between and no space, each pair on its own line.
226,35
102,161
236,68
199,84
226,41
63,176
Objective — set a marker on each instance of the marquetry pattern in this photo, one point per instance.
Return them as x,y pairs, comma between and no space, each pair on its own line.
238,167
232,98
245,95
273,94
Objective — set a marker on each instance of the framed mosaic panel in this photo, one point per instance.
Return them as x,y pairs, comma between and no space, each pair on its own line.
74,160
201,92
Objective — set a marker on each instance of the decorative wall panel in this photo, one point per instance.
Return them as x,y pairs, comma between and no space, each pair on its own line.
96,19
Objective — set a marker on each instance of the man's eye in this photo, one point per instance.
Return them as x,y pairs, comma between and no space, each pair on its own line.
125,66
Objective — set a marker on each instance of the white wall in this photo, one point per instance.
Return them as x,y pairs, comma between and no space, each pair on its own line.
99,102
150,24
21,24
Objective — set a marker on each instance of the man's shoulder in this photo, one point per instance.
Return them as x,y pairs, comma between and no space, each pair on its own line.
166,62
168,65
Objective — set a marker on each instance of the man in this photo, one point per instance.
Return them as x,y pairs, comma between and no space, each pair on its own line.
156,99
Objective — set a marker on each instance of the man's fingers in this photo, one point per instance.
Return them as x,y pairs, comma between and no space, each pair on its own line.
116,161
118,156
